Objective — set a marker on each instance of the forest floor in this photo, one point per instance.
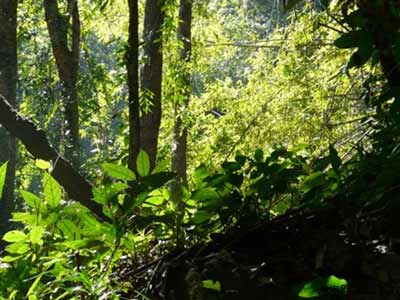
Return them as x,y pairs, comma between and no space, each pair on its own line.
275,259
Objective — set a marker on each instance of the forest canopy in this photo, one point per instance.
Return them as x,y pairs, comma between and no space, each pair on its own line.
182,150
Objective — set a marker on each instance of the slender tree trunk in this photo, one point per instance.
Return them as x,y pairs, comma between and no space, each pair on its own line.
8,80
152,77
179,157
132,65
179,147
60,27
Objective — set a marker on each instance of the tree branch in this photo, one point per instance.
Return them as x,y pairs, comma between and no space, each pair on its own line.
35,141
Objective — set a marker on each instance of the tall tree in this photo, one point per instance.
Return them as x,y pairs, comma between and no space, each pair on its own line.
64,30
179,149
132,65
151,76
8,79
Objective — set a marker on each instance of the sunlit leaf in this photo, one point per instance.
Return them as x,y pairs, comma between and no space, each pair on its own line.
42,164
118,171
336,282
3,173
14,236
51,190
143,163
309,290
212,285
31,199
36,235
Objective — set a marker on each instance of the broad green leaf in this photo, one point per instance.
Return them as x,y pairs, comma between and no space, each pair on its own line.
51,190
336,282
8,258
312,181
205,194
143,163
36,235
201,216
67,227
31,199
104,194
17,248
27,218
118,171
3,173
360,57
14,236
308,291
42,164
155,200
353,39
212,285
161,167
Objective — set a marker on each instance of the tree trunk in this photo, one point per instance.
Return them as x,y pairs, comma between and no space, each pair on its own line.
152,77
132,65
179,147
60,27
179,159
8,80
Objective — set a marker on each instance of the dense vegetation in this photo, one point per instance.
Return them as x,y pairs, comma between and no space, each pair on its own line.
199,149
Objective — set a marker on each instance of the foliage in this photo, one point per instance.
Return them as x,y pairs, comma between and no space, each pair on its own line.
327,120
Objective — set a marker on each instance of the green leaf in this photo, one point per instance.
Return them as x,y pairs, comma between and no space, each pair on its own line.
143,163
51,190
335,282
205,194
15,236
31,199
104,194
212,285
309,290
42,164
353,39
8,259
312,181
36,235
334,158
201,216
360,57
259,155
17,248
33,287
118,171
3,173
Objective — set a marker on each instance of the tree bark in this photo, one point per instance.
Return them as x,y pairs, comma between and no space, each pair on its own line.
179,151
35,141
8,80
67,59
152,77
132,65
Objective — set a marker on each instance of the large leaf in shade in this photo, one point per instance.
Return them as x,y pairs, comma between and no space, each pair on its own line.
312,181
51,190
3,173
143,163
353,39
118,171
205,194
